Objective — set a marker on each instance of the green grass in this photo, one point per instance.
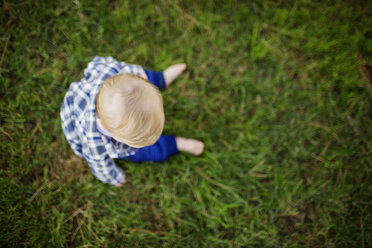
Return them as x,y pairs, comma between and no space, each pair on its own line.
277,90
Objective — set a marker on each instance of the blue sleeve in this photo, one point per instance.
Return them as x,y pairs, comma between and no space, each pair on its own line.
156,78
158,152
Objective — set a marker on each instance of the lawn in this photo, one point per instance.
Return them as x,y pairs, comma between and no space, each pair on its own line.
279,91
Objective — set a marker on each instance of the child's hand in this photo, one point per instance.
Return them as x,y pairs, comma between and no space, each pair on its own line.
172,72
191,146
124,181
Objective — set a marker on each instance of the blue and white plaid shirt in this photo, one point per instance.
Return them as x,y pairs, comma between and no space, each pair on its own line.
78,115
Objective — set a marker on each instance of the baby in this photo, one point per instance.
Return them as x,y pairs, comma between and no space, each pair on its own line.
116,112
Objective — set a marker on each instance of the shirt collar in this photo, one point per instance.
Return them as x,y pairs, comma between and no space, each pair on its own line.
101,129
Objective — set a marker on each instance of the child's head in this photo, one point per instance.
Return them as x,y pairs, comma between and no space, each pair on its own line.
131,110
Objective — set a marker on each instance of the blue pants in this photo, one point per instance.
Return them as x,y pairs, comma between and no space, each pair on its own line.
166,144
156,78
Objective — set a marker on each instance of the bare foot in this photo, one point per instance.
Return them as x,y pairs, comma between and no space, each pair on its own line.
172,72
191,146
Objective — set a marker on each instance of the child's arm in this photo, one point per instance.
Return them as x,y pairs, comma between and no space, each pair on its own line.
107,171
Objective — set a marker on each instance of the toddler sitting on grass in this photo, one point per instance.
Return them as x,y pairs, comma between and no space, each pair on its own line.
116,112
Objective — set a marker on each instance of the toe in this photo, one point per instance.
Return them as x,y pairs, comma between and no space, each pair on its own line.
182,66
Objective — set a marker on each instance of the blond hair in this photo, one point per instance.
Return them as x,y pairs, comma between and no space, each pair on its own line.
131,110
